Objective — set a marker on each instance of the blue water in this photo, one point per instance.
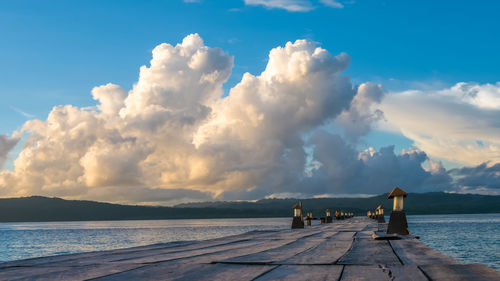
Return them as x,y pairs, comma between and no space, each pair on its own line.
468,238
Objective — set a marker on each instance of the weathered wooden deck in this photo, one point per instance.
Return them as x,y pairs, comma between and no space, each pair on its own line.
342,250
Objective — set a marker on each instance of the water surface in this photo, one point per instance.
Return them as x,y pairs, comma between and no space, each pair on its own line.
468,238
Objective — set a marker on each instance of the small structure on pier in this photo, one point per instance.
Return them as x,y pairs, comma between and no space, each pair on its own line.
298,220
397,220
309,218
328,216
380,217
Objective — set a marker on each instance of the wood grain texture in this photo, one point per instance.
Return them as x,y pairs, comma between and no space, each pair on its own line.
327,252
303,272
189,271
278,254
368,251
382,273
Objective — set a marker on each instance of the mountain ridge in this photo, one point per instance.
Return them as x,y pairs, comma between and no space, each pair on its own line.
39,208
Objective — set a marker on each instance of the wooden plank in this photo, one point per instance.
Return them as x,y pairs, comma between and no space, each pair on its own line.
58,260
214,256
416,252
382,273
344,235
460,272
328,252
292,234
278,254
364,234
303,272
68,273
189,271
367,251
169,253
165,256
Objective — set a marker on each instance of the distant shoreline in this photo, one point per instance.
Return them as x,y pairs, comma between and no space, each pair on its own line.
219,218
43,209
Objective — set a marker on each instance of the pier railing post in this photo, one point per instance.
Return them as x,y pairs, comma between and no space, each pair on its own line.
298,220
380,216
397,220
328,216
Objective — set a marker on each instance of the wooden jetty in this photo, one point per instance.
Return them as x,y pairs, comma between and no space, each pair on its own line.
342,250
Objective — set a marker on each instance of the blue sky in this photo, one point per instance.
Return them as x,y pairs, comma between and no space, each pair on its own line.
55,52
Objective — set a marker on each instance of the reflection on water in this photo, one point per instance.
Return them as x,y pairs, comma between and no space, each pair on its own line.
468,238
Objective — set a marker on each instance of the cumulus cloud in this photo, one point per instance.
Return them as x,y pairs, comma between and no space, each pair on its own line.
345,170
483,178
6,145
174,130
459,124
362,113
174,137
293,5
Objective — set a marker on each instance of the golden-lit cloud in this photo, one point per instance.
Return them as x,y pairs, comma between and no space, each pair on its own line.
175,137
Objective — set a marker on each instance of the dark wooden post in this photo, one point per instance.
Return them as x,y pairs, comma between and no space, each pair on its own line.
381,218
309,217
328,216
298,220
397,220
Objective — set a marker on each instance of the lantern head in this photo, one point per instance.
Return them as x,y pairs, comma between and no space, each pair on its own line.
297,209
397,195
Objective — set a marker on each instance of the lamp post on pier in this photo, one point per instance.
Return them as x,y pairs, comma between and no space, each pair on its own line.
328,216
298,220
397,220
380,216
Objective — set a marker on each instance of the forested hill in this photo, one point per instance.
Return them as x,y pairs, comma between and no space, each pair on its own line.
37,208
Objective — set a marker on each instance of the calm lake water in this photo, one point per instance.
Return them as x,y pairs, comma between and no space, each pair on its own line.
468,238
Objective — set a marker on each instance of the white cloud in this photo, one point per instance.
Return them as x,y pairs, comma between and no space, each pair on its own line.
23,113
174,137
289,5
294,5
332,3
6,145
357,121
459,124
173,130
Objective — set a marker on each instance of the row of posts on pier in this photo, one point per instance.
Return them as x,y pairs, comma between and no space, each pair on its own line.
397,220
298,218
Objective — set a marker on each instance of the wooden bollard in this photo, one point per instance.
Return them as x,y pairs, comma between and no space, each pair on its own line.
309,217
380,217
397,220
322,220
328,216
298,220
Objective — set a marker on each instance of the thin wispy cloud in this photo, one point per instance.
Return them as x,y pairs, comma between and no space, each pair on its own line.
23,113
332,3
294,5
